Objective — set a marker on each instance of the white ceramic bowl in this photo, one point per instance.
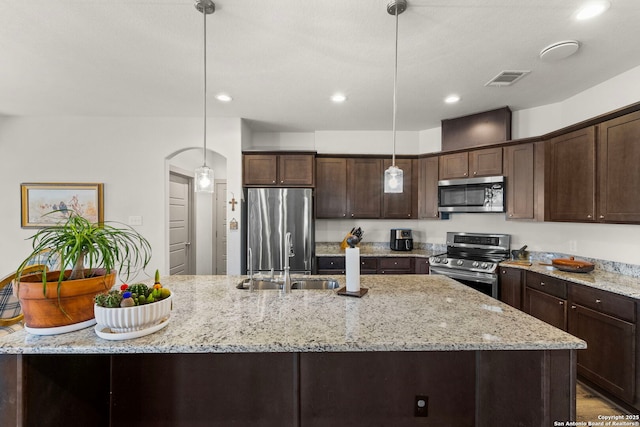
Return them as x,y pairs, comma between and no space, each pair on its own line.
129,319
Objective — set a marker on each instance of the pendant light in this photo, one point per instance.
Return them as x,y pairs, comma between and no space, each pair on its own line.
393,176
204,174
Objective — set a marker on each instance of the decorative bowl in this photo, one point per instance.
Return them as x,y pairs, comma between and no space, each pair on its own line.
136,318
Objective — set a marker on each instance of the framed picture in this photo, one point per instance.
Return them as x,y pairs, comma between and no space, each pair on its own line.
45,204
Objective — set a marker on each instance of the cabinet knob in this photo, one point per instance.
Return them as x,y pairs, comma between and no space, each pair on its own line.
464,174
561,302
589,216
409,215
282,181
352,215
573,307
598,301
541,283
475,173
510,215
344,214
601,216
273,182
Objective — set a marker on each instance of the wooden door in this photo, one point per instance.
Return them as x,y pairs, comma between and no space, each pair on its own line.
486,162
428,188
453,166
331,188
570,176
296,170
610,357
260,169
519,171
511,286
364,192
619,169
545,307
180,225
400,205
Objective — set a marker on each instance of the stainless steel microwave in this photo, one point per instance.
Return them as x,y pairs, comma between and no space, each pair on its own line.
472,195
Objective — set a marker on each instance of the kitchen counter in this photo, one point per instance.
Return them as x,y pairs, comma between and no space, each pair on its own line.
399,313
307,358
613,282
373,250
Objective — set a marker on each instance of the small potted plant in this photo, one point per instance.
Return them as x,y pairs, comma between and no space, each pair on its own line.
96,251
133,307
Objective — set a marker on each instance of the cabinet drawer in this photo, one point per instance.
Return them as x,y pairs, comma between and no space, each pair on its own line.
604,302
395,263
546,284
368,264
331,263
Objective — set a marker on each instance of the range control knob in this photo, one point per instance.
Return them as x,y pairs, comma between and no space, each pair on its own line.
484,265
475,264
445,261
434,260
459,262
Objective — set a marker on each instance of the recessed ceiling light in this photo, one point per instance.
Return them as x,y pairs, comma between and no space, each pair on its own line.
224,97
592,9
338,98
452,99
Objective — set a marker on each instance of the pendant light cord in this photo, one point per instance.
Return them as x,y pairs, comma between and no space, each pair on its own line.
395,89
204,150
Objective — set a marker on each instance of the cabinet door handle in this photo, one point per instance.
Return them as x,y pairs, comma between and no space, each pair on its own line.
598,301
573,307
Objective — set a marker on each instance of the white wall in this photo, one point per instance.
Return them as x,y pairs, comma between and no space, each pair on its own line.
126,154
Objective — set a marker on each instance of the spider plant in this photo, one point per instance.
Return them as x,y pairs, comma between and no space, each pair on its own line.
88,246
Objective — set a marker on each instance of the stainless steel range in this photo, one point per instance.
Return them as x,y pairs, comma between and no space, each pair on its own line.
472,259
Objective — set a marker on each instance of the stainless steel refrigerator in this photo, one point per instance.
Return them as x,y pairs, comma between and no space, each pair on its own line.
271,213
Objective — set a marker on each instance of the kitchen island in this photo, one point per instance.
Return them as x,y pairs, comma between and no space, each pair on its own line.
310,358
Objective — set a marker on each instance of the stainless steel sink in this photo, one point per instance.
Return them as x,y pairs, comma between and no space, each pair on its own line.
260,284
314,284
303,284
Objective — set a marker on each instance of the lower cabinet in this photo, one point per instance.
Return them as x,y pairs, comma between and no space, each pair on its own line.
375,265
607,323
510,284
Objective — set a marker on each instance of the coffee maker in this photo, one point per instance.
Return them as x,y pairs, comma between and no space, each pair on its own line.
401,239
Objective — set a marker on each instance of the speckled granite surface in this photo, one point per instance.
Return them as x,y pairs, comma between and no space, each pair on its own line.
378,250
399,313
608,281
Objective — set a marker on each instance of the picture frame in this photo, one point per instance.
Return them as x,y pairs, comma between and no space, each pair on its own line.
46,204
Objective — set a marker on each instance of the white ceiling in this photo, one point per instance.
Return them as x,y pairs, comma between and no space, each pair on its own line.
282,59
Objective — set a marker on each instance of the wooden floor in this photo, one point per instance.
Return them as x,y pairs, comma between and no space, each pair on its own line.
590,404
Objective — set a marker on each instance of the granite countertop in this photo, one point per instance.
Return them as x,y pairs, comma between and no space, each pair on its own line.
373,249
399,313
607,281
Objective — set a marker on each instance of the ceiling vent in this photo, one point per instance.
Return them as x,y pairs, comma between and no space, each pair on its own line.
507,78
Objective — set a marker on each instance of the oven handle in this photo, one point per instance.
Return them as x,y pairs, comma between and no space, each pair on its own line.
454,275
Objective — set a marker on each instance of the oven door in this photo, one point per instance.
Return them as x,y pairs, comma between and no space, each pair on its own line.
487,283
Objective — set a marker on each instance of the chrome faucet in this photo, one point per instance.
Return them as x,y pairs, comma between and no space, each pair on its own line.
286,286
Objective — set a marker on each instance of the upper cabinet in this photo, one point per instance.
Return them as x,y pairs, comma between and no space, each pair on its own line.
471,164
279,170
570,177
618,159
524,172
428,188
476,130
331,187
405,204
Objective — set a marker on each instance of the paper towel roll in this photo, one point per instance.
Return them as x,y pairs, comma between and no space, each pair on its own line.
353,269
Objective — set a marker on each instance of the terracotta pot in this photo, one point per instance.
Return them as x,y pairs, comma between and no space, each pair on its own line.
76,298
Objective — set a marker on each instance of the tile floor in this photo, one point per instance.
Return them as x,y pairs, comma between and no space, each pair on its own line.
590,404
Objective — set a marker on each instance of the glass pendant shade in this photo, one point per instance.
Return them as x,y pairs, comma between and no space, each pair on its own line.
204,179
393,179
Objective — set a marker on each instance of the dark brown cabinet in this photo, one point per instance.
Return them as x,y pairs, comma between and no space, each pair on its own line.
428,188
364,187
422,265
279,170
607,323
396,265
511,283
570,177
524,180
370,265
331,188
401,205
546,299
471,164
331,265
618,158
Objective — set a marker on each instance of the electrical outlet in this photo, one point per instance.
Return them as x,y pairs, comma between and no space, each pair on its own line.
573,245
421,406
